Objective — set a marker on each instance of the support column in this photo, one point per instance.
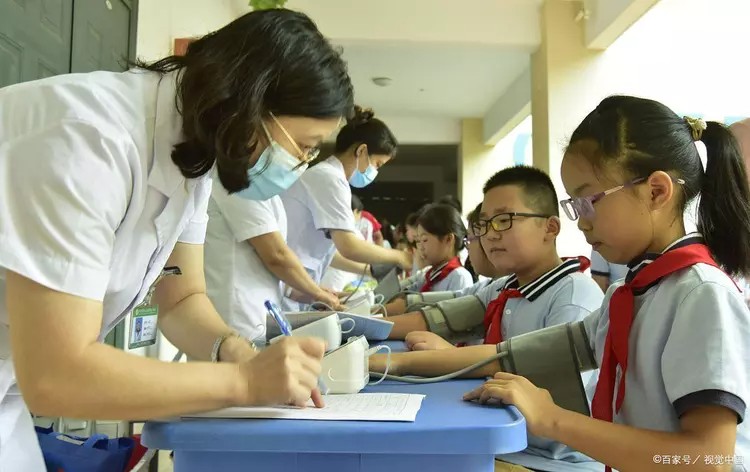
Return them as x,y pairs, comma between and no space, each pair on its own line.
566,85
474,163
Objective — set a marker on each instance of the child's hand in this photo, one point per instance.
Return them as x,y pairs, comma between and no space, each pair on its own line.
426,341
535,403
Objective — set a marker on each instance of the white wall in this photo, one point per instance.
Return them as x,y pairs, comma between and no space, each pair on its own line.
161,21
684,53
424,130
687,54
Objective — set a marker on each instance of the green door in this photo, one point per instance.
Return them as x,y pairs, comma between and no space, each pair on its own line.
101,35
35,39
42,38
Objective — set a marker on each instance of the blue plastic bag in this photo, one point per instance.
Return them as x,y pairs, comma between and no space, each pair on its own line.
66,453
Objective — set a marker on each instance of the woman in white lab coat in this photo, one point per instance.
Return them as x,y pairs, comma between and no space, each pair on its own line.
247,259
105,181
318,205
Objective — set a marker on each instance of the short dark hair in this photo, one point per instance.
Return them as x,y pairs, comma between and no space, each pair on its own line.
267,61
644,136
441,220
357,203
364,128
538,191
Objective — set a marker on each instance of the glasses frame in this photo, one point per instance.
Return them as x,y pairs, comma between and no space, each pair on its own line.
305,157
577,207
482,227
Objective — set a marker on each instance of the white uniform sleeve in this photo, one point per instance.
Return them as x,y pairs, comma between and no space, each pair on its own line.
368,230
706,359
458,279
65,190
491,291
472,290
245,218
195,231
330,200
576,298
416,286
596,330
599,266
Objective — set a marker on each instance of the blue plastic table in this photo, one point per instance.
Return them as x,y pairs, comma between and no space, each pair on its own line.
448,435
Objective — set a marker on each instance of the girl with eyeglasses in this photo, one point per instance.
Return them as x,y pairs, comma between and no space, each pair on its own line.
671,339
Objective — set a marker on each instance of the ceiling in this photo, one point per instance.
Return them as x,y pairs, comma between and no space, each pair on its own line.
448,60
429,79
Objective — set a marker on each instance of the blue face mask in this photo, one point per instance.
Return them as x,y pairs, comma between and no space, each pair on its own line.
275,171
361,179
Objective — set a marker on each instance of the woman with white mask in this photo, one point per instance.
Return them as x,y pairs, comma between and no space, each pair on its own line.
247,259
106,181
318,205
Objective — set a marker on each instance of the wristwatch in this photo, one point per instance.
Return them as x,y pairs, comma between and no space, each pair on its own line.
220,340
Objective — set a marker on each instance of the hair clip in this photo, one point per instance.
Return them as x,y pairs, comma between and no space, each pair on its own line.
697,127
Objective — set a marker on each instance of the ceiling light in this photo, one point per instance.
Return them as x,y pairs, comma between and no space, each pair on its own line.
382,81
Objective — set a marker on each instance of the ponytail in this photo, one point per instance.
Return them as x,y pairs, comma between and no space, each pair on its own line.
724,209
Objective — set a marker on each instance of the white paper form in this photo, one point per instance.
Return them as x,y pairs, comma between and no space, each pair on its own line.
353,407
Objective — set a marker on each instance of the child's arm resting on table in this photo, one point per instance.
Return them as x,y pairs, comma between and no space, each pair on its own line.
706,431
406,323
441,362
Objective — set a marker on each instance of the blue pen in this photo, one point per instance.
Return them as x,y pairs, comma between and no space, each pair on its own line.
286,330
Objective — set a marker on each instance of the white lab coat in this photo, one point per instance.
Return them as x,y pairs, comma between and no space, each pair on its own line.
365,228
336,279
92,205
237,280
321,200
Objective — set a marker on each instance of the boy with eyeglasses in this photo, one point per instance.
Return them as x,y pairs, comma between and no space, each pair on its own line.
517,226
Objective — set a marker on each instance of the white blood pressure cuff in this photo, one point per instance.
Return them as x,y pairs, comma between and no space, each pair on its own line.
456,320
553,358
428,298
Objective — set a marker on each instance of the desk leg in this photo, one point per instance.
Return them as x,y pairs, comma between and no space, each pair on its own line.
200,461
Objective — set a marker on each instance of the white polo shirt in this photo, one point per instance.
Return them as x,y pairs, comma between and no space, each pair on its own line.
335,279
562,295
92,205
458,279
688,347
603,268
482,284
365,229
237,281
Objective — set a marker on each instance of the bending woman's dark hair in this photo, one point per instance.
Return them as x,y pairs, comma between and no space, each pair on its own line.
442,220
644,136
269,61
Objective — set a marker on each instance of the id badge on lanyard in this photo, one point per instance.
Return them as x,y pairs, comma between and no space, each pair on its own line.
144,317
